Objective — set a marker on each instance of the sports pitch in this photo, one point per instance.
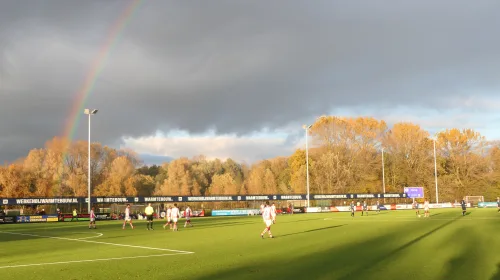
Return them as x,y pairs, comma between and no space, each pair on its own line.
389,245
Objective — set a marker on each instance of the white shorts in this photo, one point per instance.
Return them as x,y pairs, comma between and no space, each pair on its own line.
268,222
92,219
175,220
426,209
169,219
188,218
273,216
127,219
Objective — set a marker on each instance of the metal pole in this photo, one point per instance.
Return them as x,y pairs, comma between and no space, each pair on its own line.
307,167
435,172
88,176
383,173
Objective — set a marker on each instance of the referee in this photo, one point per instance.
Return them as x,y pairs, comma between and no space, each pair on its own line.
149,216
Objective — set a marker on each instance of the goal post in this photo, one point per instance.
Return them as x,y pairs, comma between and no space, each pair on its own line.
474,199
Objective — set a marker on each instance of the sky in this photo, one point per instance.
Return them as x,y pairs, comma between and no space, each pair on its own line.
239,78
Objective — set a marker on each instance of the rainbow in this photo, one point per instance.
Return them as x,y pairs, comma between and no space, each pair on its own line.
98,64
82,95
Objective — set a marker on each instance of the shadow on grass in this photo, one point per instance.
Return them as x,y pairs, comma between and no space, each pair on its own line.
307,231
353,260
362,271
496,276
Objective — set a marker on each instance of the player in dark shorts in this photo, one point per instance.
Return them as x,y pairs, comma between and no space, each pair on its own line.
415,206
365,208
378,206
353,208
464,207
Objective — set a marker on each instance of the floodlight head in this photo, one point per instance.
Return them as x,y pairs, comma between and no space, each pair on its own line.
306,126
90,111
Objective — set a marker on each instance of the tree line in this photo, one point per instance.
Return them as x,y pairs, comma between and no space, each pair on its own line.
345,156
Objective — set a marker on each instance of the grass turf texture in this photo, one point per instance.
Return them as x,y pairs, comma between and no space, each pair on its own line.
389,245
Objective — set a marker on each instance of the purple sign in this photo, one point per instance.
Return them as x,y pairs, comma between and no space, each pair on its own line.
414,192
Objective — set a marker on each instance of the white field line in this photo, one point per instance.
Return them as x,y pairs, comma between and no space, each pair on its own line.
98,242
98,235
95,260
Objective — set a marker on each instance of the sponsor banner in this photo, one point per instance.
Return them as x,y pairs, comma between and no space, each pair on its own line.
162,199
68,217
194,214
487,205
206,198
238,212
158,199
356,196
440,205
37,219
30,201
313,209
7,220
103,216
112,199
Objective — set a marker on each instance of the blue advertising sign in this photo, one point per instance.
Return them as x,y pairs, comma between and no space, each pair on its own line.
414,192
487,204
37,219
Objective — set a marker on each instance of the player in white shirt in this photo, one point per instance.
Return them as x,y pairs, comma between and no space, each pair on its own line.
268,220
168,217
426,208
175,216
262,206
127,218
92,219
273,213
188,213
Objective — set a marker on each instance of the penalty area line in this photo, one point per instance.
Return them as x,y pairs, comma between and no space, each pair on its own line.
98,242
95,260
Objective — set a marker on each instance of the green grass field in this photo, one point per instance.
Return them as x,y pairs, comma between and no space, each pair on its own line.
389,245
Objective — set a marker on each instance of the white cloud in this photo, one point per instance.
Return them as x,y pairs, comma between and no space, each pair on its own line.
243,149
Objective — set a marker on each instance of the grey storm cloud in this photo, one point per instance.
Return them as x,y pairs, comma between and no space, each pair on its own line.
235,66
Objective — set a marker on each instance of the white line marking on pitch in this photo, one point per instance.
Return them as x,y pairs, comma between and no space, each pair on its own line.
98,235
96,260
97,242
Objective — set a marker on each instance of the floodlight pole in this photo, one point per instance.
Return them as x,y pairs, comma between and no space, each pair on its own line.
89,112
435,172
383,174
307,162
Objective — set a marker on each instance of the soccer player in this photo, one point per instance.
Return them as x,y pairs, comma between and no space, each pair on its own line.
365,208
464,207
175,216
268,220
188,213
169,217
353,208
262,206
378,206
75,215
92,219
415,206
149,216
273,213
426,208
127,218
